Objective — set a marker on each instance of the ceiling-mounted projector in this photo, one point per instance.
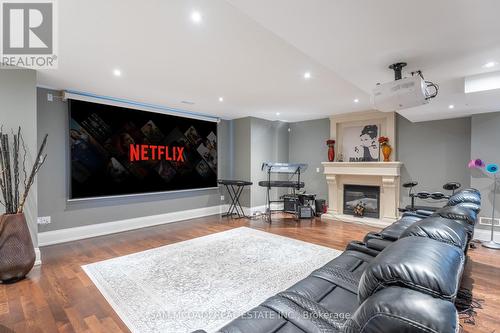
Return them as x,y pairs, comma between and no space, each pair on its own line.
403,93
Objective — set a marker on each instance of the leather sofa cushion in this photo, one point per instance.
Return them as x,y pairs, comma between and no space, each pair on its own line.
399,310
458,213
337,280
378,244
418,263
285,313
469,205
394,231
467,195
440,229
371,235
362,247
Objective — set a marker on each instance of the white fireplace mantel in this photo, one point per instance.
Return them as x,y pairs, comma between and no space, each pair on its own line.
383,174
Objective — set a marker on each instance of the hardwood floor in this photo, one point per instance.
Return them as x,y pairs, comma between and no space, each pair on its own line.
59,297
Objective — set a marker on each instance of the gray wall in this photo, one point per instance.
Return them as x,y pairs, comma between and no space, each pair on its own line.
241,138
485,144
52,195
18,108
269,143
308,145
433,153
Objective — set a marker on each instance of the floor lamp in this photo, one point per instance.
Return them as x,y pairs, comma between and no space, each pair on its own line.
491,244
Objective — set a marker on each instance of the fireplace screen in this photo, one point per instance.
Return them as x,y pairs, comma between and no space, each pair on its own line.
362,200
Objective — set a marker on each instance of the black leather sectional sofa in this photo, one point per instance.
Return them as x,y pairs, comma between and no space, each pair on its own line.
402,279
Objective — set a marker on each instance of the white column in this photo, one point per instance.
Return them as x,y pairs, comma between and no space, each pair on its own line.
389,198
333,201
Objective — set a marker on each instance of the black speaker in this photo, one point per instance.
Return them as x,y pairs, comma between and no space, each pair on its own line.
305,212
289,203
320,205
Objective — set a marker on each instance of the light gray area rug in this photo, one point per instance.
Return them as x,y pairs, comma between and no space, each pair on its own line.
203,283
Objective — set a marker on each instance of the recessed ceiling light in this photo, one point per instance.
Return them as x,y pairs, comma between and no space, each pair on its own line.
356,100
196,17
307,75
490,64
277,113
117,72
221,99
451,106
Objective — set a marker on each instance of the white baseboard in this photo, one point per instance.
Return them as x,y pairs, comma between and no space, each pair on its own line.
38,257
485,234
100,229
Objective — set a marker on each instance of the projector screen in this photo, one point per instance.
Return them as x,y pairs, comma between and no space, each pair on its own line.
121,151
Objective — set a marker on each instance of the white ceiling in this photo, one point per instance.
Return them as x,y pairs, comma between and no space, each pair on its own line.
254,53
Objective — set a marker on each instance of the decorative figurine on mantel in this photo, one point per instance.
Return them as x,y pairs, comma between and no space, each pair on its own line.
385,147
331,149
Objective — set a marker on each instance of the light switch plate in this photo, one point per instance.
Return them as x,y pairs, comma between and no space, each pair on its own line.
317,170
43,220
222,198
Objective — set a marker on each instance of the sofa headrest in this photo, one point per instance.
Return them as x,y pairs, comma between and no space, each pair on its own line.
458,213
468,195
396,310
394,231
469,205
417,263
440,229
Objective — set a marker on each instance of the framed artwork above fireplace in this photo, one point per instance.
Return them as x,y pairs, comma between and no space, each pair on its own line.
357,134
360,143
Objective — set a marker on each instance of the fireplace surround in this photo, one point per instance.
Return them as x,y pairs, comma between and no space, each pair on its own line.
385,175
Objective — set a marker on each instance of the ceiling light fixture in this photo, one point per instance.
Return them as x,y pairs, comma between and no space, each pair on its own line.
196,17
490,64
221,99
451,106
277,113
117,72
307,75
356,100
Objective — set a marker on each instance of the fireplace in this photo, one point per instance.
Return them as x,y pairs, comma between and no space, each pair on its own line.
367,196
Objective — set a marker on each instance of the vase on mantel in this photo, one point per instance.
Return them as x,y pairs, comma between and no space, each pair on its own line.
386,151
331,150
385,147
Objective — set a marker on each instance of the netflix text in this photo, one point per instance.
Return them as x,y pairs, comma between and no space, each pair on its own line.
156,153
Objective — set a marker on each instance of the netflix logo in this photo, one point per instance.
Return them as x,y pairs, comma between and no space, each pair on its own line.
156,153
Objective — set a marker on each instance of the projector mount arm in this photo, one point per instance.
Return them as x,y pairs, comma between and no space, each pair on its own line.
398,75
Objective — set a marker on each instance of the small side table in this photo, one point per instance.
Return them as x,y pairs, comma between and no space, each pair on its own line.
234,188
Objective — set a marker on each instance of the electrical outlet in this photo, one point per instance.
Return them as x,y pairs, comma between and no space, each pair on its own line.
222,198
317,170
50,98
43,220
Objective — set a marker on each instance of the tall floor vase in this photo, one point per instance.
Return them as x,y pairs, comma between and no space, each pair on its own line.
491,244
17,255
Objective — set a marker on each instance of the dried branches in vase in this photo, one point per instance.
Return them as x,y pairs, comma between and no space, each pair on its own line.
17,255
12,163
